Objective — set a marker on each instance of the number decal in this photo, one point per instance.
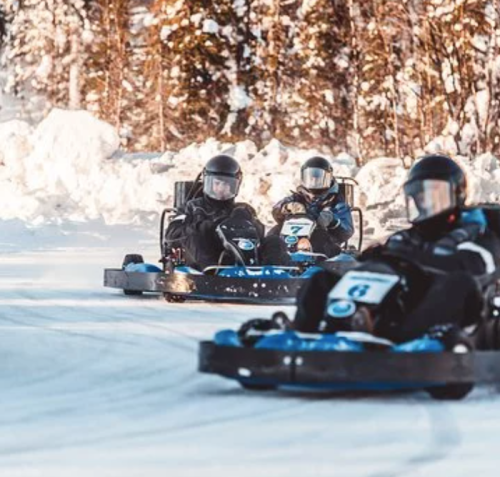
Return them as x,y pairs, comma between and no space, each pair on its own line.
358,291
363,287
296,229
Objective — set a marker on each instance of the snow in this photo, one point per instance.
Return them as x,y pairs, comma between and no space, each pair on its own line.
95,383
210,26
69,167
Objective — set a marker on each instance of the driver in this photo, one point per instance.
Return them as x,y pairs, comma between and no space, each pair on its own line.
194,228
319,198
449,246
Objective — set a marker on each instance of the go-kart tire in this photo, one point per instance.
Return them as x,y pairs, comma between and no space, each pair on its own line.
174,298
451,392
132,258
489,335
257,387
454,392
132,292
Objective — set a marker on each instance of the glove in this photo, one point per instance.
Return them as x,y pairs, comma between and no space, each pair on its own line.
313,211
292,208
326,219
242,213
373,252
206,227
253,330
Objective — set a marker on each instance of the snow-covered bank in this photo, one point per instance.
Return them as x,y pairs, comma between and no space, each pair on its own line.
69,168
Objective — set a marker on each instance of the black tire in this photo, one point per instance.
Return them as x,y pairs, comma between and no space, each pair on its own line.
488,336
451,392
132,258
257,387
174,298
132,292
454,392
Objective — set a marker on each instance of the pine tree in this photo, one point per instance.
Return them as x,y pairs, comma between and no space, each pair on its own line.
46,47
319,109
3,24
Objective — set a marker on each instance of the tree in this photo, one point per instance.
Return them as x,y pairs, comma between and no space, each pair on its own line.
46,47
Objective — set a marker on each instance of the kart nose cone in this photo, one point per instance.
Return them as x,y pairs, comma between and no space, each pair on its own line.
341,309
245,244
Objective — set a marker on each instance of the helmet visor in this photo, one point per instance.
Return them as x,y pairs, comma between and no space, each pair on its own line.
427,198
220,187
316,178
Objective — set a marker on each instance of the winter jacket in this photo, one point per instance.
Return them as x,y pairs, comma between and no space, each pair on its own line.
330,211
193,229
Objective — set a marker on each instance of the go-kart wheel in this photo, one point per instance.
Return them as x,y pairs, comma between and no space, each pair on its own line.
257,387
488,337
128,259
132,258
456,342
132,292
451,392
174,298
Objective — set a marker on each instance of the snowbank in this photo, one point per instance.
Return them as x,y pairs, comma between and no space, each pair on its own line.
68,169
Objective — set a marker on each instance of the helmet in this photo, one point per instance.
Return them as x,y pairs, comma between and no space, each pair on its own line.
222,178
316,175
436,184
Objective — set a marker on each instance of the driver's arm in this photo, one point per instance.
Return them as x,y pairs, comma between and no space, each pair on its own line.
280,210
341,225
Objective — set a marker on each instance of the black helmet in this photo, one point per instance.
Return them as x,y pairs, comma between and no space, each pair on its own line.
222,178
316,175
436,184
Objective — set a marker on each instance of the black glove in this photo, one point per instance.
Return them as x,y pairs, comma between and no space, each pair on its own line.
371,253
253,330
206,227
242,213
327,220
313,211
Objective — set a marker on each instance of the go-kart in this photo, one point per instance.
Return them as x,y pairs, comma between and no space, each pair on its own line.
445,361
244,280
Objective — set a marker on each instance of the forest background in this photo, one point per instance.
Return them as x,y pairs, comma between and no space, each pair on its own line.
368,77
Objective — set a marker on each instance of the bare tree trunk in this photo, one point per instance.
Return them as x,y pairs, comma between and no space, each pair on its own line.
74,74
355,87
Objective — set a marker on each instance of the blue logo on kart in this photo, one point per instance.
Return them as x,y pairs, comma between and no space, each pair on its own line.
341,309
291,239
246,244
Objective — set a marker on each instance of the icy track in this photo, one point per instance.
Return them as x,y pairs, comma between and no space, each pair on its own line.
94,383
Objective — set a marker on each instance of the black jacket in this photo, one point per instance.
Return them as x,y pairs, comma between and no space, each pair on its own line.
193,229
469,245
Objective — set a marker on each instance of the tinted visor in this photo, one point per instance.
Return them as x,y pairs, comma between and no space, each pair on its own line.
220,187
427,198
316,178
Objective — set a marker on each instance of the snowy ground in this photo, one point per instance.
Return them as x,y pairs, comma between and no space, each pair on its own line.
96,383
